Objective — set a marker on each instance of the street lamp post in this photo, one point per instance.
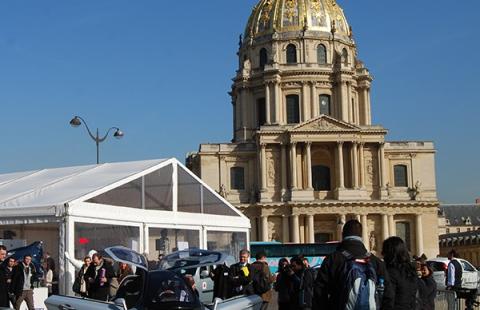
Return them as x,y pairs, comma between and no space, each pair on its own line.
77,121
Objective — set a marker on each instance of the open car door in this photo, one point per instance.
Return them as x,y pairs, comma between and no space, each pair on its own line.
128,256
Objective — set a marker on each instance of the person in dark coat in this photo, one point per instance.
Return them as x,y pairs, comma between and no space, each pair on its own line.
24,277
402,274
239,275
427,288
8,267
302,284
99,275
4,301
221,284
283,285
329,287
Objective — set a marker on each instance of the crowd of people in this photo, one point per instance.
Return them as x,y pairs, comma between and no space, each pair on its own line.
349,278
19,278
98,279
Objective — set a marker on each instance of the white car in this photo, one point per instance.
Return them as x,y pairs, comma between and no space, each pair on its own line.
439,265
150,290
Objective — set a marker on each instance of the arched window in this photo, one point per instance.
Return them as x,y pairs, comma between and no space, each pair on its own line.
321,178
291,54
263,58
400,175
237,178
321,54
293,109
261,112
325,105
345,57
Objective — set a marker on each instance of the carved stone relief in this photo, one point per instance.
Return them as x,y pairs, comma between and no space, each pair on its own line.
371,168
273,169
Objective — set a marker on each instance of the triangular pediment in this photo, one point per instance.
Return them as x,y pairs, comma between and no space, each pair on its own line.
324,123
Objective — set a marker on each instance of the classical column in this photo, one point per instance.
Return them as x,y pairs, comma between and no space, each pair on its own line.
315,108
341,220
385,230
264,220
369,109
285,229
349,104
391,225
284,168
381,164
310,229
267,104
365,106
362,164
365,232
340,173
295,229
244,109
308,147
293,164
263,162
343,101
419,234
277,103
305,115
355,165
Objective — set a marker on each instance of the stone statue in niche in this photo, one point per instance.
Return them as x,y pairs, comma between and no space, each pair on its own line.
223,191
247,67
415,191
389,188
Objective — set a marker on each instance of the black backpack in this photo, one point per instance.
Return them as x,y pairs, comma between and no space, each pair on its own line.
260,282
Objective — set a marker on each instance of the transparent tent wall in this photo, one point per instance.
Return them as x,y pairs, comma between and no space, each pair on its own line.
166,240
227,242
100,236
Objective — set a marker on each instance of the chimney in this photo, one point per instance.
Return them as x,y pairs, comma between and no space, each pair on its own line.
477,201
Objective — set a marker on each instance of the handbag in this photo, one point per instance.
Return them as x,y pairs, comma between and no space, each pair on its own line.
76,285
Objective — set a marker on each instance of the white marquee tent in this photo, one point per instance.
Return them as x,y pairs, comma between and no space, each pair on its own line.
153,206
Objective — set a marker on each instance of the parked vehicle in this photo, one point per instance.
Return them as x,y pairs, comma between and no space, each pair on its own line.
197,263
470,274
315,252
150,290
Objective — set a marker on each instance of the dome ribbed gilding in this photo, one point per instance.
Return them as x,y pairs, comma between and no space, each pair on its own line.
270,16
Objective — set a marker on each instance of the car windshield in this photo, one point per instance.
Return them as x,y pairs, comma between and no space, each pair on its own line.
168,291
188,258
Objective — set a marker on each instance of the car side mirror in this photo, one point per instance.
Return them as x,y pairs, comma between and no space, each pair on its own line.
120,302
204,274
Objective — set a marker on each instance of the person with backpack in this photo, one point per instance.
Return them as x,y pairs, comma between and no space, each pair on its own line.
403,277
302,280
262,279
351,277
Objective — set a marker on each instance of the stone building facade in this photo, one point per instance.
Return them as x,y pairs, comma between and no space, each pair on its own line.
305,155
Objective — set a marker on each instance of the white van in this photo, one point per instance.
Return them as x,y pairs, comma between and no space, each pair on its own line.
439,265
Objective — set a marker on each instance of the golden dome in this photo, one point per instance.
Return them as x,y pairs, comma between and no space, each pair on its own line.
270,16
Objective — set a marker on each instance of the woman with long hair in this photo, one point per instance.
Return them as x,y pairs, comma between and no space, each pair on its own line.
283,284
402,292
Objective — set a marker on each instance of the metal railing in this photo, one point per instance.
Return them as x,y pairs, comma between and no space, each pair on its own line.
450,300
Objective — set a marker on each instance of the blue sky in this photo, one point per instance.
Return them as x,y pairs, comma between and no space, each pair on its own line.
161,71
